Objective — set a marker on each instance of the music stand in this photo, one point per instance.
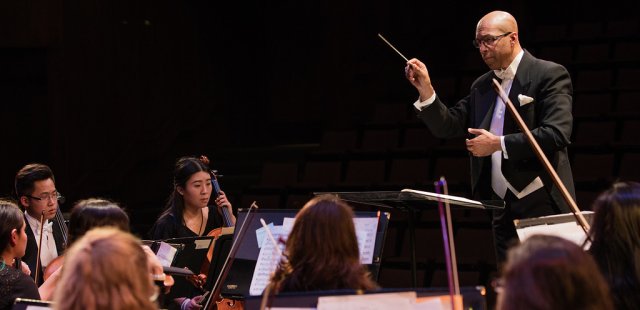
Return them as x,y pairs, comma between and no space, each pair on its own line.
191,253
473,297
25,304
240,279
410,200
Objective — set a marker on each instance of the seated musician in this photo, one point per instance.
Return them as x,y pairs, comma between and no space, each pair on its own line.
14,283
310,263
36,192
187,213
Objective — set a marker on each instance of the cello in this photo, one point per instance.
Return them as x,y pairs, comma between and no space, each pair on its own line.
226,216
216,232
56,263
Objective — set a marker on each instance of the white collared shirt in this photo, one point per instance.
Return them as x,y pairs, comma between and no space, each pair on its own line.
49,251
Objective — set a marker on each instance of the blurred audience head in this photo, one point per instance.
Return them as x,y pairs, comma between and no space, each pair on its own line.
615,235
106,269
549,272
322,250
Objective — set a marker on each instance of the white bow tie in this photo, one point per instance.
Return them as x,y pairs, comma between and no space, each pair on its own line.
47,228
505,74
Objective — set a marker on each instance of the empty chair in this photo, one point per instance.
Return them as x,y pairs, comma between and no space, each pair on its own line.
628,135
389,113
592,104
587,30
594,133
418,139
475,245
584,198
279,174
454,169
593,79
560,54
592,53
265,201
297,201
628,79
377,140
428,244
629,167
364,173
321,174
627,103
626,51
446,88
409,171
545,33
338,141
622,28
592,167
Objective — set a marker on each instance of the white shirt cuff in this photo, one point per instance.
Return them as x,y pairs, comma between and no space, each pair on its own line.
504,148
422,104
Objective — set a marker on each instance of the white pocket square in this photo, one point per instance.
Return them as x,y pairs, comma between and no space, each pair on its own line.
524,99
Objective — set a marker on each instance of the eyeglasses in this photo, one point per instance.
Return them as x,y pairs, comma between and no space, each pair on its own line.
48,196
489,41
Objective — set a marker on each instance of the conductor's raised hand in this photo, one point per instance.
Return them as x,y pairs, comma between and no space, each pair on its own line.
418,75
484,144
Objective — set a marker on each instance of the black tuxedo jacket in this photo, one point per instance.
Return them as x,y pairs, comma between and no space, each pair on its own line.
31,252
548,117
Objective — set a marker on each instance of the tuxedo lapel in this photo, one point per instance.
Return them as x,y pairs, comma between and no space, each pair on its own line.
520,85
486,103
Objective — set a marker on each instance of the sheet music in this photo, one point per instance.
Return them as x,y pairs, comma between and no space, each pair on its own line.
166,254
571,231
268,258
396,301
443,196
366,230
261,234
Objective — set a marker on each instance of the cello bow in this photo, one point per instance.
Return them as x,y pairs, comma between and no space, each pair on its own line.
214,297
543,158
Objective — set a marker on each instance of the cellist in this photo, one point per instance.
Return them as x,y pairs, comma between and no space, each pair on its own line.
187,213
37,193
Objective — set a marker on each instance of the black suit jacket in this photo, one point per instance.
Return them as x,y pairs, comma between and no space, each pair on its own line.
548,117
31,252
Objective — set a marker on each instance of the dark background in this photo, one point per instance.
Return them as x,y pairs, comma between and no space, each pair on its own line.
109,93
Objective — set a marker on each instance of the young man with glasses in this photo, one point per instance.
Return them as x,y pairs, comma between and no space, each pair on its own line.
36,192
503,165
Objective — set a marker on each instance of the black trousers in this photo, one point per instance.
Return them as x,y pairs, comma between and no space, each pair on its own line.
536,204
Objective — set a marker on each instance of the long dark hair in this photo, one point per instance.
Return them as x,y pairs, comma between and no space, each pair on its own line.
615,232
184,169
10,218
322,250
95,212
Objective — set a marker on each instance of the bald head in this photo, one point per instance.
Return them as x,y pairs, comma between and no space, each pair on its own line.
499,32
499,20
